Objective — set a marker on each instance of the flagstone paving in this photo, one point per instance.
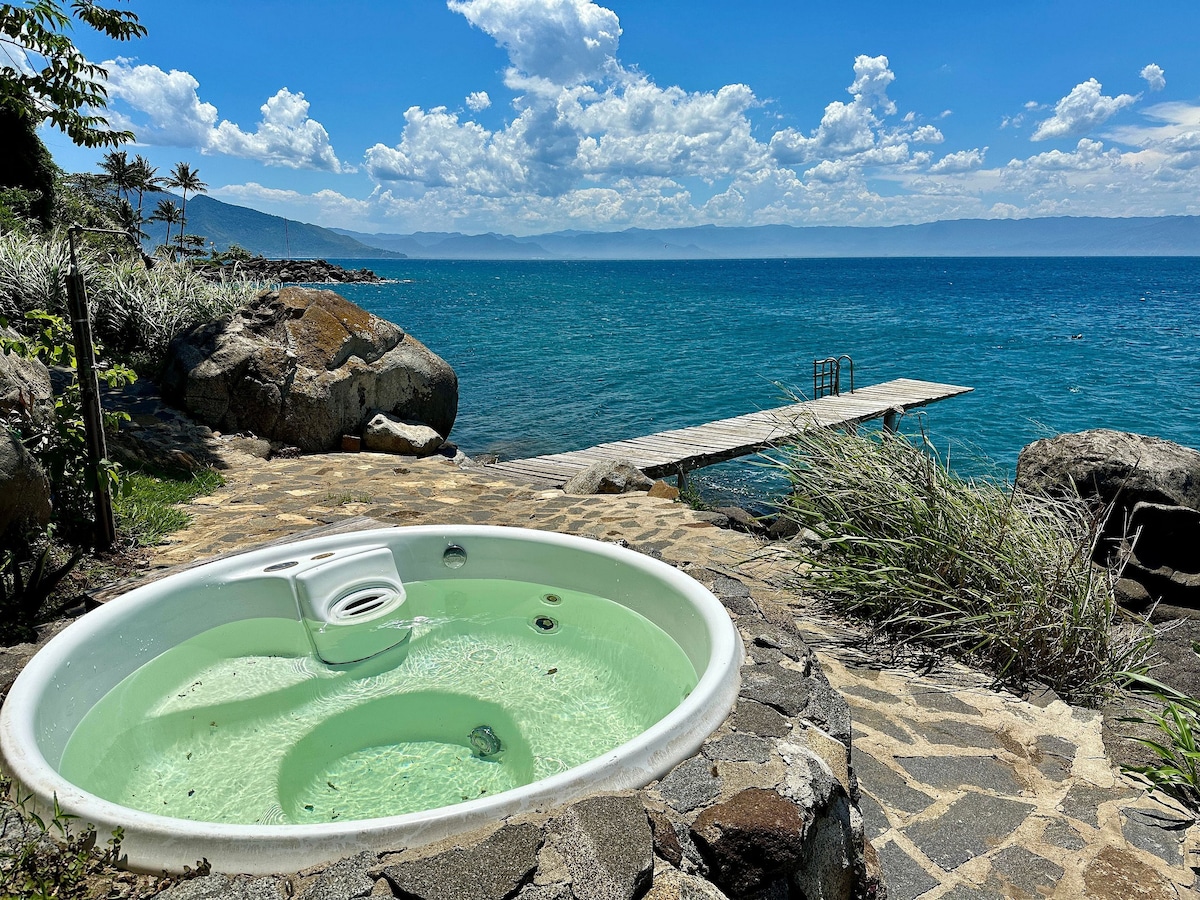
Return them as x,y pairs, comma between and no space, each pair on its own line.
967,793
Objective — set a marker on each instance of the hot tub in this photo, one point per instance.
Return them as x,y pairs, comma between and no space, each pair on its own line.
388,688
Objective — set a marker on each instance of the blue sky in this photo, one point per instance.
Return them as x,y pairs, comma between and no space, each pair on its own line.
521,116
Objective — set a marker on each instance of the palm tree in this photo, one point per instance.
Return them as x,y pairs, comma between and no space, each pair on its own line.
185,178
117,168
167,211
143,177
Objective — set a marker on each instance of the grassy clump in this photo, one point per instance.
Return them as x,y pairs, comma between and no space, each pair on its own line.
51,860
997,579
147,507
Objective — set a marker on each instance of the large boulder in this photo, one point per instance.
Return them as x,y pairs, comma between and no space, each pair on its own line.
1112,466
1153,488
304,367
26,400
24,487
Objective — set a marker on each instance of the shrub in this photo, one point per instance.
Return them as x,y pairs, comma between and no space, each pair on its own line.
971,568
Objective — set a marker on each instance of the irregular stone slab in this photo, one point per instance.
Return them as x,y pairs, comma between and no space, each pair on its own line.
885,785
666,841
1082,800
751,840
690,784
949,772
877,721
739,747
609,476
1053,756
869,693
1119,875
1159,833
1059,833
970,827
385,433
755,718
943,701
222,887
875,820
671,884
955,734
1016,867
344,880
794,694
489,870
607,846
783,689
905,878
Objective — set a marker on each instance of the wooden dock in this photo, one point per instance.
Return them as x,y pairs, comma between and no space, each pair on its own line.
681,450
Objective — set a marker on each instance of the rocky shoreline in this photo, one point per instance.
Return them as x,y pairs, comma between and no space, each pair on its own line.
291,271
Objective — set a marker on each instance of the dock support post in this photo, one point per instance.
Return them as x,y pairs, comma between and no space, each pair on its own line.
681,479
891,419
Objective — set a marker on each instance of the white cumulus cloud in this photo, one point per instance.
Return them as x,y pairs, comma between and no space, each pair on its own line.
478,101
168,111
1080,111
564,42
960,161
1155,77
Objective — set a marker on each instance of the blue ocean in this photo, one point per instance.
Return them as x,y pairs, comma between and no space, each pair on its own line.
555,356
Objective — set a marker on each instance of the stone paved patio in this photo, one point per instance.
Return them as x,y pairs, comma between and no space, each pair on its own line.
967,793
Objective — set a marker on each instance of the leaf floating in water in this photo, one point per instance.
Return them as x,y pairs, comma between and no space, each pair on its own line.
192,792
332,786
552,670
308,806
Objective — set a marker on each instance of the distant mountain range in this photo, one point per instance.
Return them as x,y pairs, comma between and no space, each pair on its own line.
1061,236
273,236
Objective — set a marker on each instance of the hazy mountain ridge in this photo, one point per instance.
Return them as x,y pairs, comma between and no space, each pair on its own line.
224,224
1057,236
274,236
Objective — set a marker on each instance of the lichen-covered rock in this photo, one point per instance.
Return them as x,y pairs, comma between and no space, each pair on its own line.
608,477
304,367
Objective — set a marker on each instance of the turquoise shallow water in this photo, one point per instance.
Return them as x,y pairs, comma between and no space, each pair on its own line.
554,356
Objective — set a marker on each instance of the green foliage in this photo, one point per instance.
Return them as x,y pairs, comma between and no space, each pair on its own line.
50,861
1178,771
56,82
26,164
147,506
17,210
61,447
27,579
969,568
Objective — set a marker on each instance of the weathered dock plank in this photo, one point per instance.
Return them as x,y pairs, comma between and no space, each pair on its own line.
680,450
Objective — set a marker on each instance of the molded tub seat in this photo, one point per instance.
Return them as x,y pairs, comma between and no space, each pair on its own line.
105,648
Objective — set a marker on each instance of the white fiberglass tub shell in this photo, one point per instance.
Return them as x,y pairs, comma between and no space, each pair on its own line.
87,659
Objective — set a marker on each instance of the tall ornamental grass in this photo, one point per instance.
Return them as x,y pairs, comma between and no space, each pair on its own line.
998,579
135,311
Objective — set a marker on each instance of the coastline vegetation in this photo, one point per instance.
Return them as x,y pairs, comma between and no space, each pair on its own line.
973,569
